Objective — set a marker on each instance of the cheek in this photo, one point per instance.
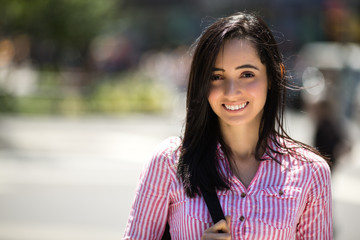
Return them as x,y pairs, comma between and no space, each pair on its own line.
213,99
258,89
213,94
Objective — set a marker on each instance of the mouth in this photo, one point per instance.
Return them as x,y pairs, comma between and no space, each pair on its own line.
236,107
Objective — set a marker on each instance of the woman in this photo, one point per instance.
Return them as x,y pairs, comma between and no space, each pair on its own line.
269,186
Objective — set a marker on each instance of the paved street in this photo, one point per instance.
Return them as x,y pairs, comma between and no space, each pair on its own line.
74,178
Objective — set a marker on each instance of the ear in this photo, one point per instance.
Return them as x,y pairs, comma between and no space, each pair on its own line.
282,69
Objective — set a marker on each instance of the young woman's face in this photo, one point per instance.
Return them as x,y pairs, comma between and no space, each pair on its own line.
239,84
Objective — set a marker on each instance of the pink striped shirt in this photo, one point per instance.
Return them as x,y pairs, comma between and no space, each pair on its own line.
291,200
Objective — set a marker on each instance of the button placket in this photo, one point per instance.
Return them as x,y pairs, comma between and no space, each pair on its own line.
245,203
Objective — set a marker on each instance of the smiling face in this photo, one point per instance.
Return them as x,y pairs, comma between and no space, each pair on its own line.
239,84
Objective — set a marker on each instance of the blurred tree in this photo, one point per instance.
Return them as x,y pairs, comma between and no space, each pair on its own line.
60,31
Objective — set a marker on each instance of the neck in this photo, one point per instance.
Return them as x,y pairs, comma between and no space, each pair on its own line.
242,140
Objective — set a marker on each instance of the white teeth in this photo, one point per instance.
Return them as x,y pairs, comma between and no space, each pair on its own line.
235,107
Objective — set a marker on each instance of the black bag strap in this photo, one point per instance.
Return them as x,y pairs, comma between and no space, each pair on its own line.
166,235
212,203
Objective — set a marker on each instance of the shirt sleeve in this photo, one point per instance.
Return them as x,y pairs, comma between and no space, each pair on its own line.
316,220
148,215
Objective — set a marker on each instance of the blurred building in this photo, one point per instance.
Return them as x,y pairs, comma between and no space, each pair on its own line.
72,52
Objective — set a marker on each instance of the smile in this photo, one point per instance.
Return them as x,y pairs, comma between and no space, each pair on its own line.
235,107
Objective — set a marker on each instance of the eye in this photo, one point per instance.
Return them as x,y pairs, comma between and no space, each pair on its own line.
216,77
247,75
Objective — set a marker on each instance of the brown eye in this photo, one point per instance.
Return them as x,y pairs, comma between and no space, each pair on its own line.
247,75
216,77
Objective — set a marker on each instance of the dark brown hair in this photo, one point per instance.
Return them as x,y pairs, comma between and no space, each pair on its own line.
198,165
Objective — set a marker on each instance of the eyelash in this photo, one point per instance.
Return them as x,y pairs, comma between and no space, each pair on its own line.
216,77
247,73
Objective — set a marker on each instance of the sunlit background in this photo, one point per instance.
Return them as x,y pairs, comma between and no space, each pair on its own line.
89,87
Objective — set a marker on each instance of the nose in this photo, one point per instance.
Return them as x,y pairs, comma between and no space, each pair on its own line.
232,88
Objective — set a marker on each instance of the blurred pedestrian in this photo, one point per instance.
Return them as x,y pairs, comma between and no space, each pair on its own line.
269,185
329,136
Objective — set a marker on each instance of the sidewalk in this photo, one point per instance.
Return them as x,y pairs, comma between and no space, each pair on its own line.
73,178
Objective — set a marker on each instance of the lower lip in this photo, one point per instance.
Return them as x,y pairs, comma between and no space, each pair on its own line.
234,111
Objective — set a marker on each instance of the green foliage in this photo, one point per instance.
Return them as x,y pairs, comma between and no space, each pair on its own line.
7,102
64,22
120,94
130,93
36,105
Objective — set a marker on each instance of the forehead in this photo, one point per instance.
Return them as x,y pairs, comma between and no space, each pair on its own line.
237,50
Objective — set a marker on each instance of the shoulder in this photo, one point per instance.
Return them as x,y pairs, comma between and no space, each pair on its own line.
168,151
320,168
311,158
302,157
293,153
162,164
316,171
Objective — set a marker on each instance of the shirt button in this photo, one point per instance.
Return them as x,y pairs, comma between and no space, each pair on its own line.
242,218
281,192
243,195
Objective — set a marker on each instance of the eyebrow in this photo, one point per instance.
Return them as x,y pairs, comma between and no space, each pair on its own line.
239,67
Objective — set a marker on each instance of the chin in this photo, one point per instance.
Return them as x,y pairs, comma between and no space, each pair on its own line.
235,122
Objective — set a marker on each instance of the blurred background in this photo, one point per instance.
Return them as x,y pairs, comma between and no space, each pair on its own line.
89,87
